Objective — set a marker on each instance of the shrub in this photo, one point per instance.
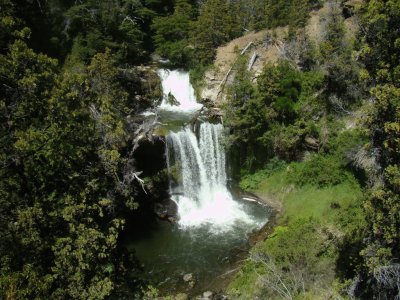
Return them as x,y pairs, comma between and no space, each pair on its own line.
252,181
293,259
319,170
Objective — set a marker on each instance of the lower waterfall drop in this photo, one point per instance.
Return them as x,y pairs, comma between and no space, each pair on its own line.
201,188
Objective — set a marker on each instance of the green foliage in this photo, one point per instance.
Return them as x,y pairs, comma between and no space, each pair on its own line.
293,13
380,53
318,236
343,144
331,168
339,203
289,141
293,261
8,23
334,42
76,30
382,208
244,111
66,166
95,26
65,176
46,22
344,87
302,244
214,26
251,182
319,170
270,118
189,36
172,34
383,120
381,48
197,77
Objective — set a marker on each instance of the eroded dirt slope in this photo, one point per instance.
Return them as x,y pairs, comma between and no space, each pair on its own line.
269,46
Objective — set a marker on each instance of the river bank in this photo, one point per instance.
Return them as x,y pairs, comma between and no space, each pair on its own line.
310,222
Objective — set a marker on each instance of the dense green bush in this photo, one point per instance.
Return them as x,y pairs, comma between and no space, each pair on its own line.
67,163
320,170
344,144
172,34
252,181
293,261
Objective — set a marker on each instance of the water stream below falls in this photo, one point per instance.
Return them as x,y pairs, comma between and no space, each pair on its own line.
212,229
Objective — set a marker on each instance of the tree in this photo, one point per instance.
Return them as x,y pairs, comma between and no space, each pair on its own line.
293,259
63,194
172,34
381,48
214,27
381,54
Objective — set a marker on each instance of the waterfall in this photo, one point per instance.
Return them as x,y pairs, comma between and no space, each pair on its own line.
210,223
201,193
177,83
196,164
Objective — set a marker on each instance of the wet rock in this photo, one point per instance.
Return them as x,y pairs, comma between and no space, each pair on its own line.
160,211
192,284
207,295
188,277
172,100
172,220
181,296
166,210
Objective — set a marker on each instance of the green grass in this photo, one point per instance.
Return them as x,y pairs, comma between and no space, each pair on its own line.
324,204
336,209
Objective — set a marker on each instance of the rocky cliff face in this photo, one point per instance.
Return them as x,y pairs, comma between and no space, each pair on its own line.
221,75
267,46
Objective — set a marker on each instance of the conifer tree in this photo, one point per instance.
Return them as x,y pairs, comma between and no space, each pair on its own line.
172,34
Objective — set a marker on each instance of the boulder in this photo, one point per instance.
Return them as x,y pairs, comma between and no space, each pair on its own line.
172,100
172,220
312,143
181,296
207,295
188,277
166,210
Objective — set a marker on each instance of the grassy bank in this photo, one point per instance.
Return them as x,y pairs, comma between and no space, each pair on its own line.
302,258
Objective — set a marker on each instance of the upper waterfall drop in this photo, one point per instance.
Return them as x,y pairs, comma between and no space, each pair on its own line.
177,82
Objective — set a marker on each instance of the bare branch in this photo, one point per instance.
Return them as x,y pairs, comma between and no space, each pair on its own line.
389,277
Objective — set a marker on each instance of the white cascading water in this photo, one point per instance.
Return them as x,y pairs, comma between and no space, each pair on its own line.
201,195
210,222
201,192
177,83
